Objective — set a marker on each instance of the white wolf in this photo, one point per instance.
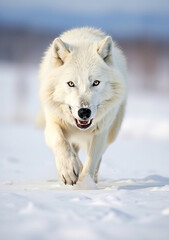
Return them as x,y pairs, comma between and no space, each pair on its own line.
83,93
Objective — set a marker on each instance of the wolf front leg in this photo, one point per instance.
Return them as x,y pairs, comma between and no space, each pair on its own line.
94,155
66,162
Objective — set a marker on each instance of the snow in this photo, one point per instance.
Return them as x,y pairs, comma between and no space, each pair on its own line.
131,199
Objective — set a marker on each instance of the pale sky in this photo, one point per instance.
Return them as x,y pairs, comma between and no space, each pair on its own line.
90,6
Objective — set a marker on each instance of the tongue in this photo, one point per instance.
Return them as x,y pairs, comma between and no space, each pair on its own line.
83,122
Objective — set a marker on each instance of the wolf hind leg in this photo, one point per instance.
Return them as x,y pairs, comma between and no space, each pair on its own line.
40,119
75,149
96,172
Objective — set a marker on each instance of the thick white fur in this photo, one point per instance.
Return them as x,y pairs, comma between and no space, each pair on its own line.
82,56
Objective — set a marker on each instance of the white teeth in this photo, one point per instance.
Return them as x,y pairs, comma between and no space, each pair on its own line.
88,122
78,122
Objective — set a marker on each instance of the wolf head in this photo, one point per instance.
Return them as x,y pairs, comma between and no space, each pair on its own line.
84,80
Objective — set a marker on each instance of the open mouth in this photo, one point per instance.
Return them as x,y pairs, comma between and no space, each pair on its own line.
83,124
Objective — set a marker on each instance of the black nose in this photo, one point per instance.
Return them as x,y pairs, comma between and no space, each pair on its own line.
84,113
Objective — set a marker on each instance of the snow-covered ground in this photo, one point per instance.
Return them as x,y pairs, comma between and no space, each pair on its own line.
131,199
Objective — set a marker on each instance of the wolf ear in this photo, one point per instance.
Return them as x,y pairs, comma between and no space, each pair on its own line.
60,51
105,49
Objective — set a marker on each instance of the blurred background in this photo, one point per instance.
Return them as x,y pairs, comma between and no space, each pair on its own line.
141,29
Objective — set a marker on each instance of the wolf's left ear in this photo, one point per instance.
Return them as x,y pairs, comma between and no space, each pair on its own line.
105,49
60,50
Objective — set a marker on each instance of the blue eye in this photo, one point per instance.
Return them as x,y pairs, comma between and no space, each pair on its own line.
96,83
70,84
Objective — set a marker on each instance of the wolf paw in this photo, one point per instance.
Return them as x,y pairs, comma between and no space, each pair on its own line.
68,170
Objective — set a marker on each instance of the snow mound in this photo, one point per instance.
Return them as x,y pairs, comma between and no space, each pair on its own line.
86,184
